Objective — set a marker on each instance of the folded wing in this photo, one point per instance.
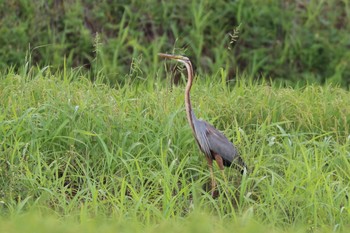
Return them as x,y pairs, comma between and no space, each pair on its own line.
213,141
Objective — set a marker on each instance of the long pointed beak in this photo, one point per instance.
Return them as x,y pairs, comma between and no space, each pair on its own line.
179,58
170,56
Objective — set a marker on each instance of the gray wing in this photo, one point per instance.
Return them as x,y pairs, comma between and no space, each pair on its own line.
220,144
212,140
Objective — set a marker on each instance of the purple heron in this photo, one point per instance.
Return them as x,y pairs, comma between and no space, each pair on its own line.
211,141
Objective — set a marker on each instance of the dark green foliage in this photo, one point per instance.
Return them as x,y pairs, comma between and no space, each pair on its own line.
300,41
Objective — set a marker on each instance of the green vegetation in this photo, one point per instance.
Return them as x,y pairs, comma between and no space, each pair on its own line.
84,150
93,132
299,41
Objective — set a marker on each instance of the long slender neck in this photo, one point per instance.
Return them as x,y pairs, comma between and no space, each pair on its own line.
189,112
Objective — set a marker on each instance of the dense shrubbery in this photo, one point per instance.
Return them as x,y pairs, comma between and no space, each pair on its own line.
292,40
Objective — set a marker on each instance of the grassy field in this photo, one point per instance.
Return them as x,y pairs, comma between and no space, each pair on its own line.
82,156
93,130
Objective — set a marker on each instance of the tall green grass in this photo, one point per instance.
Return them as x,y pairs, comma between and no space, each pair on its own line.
82,150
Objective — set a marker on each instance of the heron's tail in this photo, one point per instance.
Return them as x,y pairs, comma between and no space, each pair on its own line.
241,165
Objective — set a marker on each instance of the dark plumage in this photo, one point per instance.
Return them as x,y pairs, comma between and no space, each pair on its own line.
215,142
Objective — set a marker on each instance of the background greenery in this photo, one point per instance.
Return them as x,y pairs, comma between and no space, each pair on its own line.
301,41
93,133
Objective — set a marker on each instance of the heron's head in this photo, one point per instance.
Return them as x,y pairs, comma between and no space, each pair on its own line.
175,57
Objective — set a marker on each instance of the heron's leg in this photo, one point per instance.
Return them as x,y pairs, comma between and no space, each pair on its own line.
220,163
213,182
